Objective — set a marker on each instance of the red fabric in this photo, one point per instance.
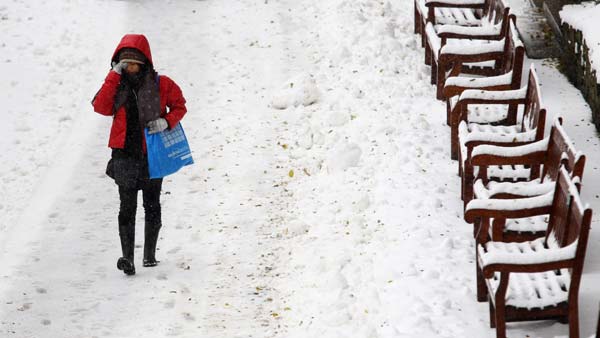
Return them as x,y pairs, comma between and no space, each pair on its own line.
170,94
137,41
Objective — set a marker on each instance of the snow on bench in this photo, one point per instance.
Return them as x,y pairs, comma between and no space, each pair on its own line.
465,135
450,44
455,12
544,159
537,279
509,78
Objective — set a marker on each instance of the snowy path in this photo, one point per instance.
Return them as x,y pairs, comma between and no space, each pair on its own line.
217,244
337,219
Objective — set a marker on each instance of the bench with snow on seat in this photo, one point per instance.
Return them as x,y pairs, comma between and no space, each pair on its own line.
448,12
537,279
479,50
544,159
469,135
510,78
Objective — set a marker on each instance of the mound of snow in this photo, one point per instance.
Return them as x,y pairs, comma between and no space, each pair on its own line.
343,156
338,118
300,90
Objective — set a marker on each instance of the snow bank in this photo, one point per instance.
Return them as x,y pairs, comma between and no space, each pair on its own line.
299,90
344,156
584,17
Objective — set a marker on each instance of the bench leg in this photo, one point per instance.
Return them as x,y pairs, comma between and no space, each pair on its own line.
434,67
428,55
500,326
500,305
476,227
417,25
453,139
460,172
467,179
492,315
481,287
500,322
441,80
448,112
574,320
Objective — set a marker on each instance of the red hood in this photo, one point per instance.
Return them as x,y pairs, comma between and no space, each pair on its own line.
137,41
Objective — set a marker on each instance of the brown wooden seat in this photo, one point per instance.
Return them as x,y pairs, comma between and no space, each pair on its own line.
463,13
544,158
537,279
510,78
478,50
467,135
448,12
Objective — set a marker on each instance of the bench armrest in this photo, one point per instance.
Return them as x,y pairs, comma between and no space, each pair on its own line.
491,32
493,49
475,96
520,257
456,3
532,153
455,85
499,190
477,138
509,208
489,270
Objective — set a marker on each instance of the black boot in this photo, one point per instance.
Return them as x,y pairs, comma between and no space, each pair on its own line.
127,235
151,237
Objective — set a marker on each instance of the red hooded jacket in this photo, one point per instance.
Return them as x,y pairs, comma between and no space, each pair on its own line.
170,95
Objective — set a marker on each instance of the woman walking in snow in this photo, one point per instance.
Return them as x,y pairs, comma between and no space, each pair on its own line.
137,98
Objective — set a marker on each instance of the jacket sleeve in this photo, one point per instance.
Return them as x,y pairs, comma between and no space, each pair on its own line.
104,100
175,103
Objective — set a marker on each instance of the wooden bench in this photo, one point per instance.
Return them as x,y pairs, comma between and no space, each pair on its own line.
537,279
510,78
465,136
463,13
479,50
544,159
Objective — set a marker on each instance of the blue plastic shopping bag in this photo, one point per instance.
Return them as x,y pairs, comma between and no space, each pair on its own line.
168,151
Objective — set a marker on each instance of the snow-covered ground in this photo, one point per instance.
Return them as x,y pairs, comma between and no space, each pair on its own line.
584,17
337,216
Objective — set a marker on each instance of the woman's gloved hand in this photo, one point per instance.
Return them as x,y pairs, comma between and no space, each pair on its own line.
118,67
157,125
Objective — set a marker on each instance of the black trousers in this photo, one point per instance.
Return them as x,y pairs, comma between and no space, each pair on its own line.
151,196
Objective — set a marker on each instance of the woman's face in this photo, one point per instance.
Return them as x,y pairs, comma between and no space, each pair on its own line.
132,68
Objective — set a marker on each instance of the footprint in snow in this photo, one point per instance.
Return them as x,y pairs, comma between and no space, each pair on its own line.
169,304
189,317
432,274
174,250
25,307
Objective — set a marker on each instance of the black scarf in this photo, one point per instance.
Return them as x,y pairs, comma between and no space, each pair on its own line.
145,87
